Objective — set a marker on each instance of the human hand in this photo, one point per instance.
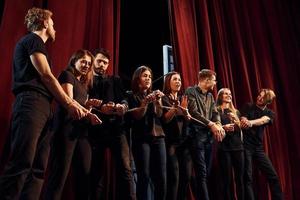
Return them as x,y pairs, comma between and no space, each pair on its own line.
229,127
218,132
93,103
108,108
76,111
120,109
94,119
245,123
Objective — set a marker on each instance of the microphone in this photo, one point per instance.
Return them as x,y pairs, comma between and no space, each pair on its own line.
154,81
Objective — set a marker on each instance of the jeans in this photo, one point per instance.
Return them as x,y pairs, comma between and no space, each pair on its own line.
266,167
199,153
150,160
23,176
121,155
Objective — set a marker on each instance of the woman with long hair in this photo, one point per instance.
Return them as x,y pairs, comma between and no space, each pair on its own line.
174,124
148,137
70,144
231,150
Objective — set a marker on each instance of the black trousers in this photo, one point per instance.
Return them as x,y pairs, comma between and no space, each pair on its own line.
151,164
197,154
232,160
266,167
121,156
24,174
67,152
179,170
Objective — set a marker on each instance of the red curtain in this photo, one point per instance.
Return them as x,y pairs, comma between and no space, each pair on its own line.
251,45
78,24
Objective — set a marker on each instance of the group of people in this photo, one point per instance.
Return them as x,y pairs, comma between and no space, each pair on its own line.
172,131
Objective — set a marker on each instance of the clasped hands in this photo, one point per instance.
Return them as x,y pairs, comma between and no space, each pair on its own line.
182,109
154,96
245,123
218,131
114,108
78,112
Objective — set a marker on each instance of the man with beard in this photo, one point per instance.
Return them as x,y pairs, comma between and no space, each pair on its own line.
201,106
111,133
255,117
34,86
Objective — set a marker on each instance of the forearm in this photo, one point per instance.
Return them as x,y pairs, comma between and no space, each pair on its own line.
140,111
56,90
260,121
168,116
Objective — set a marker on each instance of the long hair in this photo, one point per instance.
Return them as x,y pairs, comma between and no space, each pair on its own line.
135,82
35,17
87,79
167,86
220,101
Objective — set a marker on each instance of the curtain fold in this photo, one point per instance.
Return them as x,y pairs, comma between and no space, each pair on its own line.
78,24
251,45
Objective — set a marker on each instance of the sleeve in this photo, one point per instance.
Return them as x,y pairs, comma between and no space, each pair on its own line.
66,77
165,102
215,114
271,115
193,108
35,45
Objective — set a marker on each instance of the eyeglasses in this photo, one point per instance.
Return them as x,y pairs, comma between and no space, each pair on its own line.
85,62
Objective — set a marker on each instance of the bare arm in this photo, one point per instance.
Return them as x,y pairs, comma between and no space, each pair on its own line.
141,111
245,123
40,62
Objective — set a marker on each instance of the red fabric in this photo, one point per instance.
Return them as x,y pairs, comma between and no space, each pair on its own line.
78,24
251,45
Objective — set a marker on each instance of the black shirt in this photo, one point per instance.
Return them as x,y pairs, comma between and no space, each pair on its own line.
232,140
254,135
176,127
149,125
63,122
25,76
108,89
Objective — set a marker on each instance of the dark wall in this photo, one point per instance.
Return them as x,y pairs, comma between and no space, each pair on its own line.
144,30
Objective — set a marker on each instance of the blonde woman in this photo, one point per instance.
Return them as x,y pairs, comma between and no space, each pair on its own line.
231,151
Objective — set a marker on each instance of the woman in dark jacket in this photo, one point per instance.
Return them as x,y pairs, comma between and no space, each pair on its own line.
148,137
174,124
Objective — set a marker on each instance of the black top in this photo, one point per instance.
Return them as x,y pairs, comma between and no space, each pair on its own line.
25,76
63,123
109,89
232,140
254,135
149,125
176,127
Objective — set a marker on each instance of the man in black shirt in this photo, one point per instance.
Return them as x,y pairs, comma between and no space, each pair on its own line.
255,117
111,133
34,86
